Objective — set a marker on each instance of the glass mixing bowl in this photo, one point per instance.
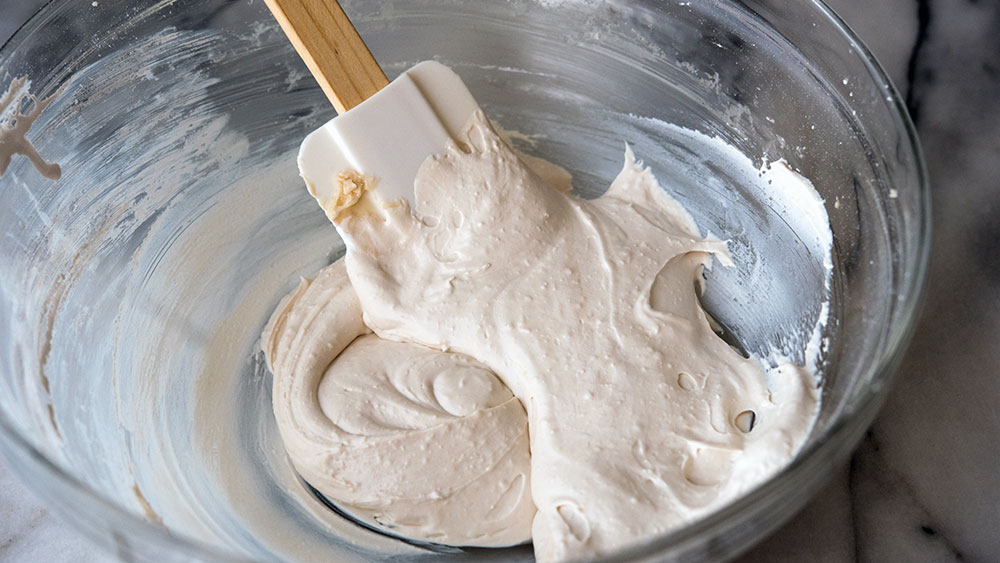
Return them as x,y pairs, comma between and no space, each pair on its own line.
133,290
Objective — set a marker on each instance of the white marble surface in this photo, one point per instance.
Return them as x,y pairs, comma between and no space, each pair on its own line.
925,483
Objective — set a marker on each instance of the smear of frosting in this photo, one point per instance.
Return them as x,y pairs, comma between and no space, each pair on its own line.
641,418
16,122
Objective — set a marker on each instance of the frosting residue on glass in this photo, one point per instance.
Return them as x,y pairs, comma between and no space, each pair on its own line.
16,122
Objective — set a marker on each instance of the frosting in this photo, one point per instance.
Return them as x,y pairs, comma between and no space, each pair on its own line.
641,418
424,444
15,124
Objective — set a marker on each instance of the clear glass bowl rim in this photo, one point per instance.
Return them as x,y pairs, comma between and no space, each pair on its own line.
843,432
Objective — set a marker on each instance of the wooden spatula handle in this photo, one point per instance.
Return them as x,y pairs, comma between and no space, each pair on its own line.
332,49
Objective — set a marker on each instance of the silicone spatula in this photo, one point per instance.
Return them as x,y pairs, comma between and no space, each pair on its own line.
383,130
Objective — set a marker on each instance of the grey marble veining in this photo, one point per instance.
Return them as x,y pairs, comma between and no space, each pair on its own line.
924,485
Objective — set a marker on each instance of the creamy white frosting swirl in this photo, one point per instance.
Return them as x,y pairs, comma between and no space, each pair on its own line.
641,418
409,439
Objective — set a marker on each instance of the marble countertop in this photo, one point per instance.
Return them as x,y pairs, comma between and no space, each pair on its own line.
924,485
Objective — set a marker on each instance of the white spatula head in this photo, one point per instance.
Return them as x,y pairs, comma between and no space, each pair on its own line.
389,135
